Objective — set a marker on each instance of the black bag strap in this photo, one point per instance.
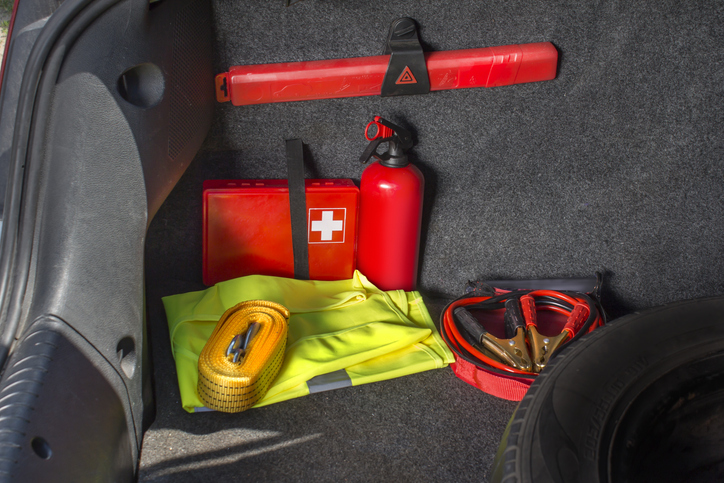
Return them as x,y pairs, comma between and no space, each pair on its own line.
298,207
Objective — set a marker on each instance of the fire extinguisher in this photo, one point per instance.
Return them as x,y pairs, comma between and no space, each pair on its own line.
391,193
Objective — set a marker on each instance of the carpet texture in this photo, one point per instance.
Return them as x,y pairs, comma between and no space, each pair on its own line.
615,166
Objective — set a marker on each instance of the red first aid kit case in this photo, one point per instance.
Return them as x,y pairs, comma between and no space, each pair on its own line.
247,229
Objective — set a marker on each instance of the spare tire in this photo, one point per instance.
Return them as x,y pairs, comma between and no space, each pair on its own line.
641,399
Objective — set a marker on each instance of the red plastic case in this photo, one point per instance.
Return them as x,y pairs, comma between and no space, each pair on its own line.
363,76
247,229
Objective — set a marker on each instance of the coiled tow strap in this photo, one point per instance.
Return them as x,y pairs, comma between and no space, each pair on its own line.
243,355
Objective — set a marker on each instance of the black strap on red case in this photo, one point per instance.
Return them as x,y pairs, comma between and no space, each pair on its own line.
298,207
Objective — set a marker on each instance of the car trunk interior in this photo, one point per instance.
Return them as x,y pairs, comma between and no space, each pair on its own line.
613,167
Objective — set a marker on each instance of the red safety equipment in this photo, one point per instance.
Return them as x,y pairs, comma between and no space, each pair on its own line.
575,315
363,76
247,229
391,192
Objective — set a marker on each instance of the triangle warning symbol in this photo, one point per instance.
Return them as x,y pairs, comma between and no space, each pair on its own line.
406,77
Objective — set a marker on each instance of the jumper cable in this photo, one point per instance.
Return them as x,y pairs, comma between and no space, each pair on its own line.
524,351
541,347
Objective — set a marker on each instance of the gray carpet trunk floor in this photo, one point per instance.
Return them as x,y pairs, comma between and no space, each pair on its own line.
615,166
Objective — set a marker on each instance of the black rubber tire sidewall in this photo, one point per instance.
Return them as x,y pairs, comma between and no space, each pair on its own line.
563,428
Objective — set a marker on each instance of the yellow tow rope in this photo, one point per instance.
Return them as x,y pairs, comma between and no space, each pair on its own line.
243,355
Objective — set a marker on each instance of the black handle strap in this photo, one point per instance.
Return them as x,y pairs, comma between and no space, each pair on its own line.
407,71
298,208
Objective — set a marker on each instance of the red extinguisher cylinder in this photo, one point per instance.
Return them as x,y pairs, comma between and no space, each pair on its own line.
363,76
388,243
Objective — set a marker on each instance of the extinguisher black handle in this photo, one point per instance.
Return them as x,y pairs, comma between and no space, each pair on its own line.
371,150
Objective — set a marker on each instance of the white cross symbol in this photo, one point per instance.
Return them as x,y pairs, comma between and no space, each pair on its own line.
327,225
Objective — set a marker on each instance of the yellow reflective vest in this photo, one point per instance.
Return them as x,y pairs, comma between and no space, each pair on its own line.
341,333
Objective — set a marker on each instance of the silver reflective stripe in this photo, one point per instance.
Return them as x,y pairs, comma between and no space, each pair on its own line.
328,382
203,409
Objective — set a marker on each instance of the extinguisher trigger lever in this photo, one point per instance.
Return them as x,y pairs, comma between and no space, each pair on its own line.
399,139
404,136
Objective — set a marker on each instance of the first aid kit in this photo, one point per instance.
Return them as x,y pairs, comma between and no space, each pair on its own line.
247,229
